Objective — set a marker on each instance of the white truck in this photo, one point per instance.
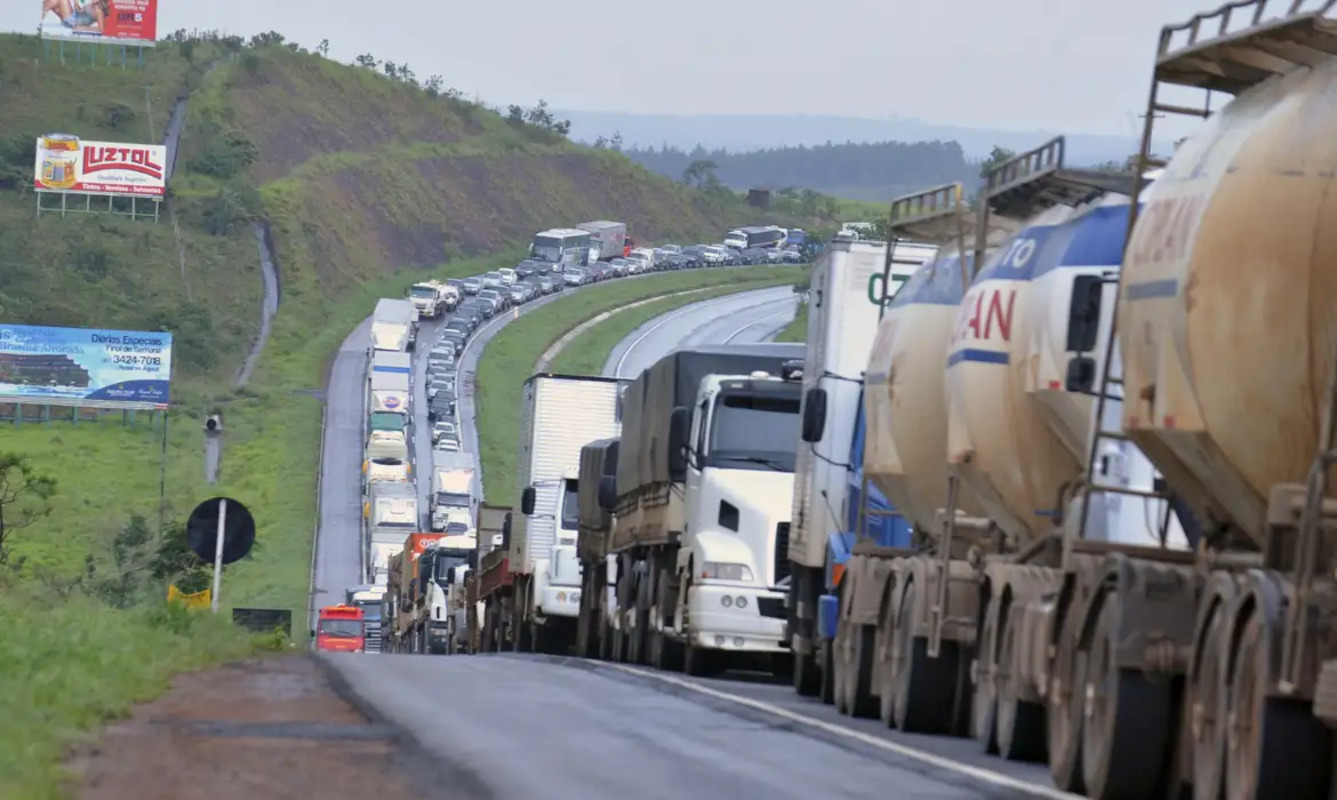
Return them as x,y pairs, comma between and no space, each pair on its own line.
431,299
386,445
376,470
561,415
454,489
701,498
442,570
389,515
608,240
392,324
389,383
850,284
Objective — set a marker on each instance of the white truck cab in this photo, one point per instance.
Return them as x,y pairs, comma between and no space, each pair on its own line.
740,455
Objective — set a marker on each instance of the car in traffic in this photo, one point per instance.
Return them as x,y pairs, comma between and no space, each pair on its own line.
499,301
442,429
445,445
472,284
442,406
574,276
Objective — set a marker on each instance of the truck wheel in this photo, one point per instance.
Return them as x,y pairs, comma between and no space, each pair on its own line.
1020,725
859,683
1065,705
700,662
807,677
984,700
1283,750
924,686
1207,700
886,662
826,658
1126,730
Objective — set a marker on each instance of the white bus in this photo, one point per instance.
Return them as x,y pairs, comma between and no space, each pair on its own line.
756,236
561,247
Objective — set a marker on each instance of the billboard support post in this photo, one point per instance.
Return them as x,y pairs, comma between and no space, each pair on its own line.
136,212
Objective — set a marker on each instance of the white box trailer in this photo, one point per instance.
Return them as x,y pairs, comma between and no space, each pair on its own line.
455,489
561,414
608,239
390,514
392,323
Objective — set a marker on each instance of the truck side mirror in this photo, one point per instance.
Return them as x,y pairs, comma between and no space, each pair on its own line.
814,415
1084,313
1081,377
679,426
450,577
608,492
527,499
506,532
473,560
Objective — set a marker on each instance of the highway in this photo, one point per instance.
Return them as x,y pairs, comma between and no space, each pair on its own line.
520,726
738,318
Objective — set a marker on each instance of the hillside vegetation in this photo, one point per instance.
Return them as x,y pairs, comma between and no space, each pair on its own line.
365,179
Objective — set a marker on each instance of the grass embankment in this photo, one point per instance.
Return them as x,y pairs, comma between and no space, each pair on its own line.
796,330
510,356
586,354
73,664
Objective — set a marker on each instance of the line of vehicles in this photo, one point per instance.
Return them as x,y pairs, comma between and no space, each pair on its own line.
414,558
1054,477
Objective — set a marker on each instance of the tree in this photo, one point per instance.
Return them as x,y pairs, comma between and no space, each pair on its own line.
25,497
996,156
433,85
324,47
367,61
616,141
699,173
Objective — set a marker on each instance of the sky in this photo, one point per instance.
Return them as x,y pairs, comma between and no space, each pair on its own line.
1074,65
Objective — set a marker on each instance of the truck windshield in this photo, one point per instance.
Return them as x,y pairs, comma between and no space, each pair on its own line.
340,628
570,505
447,558
371,609
452,499
754,432
386,421
424,292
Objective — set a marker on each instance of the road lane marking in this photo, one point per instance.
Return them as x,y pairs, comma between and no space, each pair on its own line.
924,757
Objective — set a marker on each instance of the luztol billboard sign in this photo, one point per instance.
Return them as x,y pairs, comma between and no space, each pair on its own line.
65,163
84,367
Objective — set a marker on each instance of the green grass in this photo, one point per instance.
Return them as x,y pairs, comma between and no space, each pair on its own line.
862,210
70,665
796,330
586,353
510,356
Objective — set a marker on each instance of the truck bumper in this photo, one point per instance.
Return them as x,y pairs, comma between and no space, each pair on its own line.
560,601
731,618
437,636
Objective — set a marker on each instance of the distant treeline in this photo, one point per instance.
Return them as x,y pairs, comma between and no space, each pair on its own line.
875,171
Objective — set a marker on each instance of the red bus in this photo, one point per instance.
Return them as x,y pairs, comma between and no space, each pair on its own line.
340,630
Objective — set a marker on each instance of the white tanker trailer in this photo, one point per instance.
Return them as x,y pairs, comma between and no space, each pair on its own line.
1152,578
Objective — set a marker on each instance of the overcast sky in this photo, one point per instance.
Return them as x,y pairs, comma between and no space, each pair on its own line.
1072,65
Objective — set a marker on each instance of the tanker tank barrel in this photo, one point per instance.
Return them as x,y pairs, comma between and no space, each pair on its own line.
1240,44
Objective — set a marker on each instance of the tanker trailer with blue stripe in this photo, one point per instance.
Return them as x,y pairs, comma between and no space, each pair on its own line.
850,283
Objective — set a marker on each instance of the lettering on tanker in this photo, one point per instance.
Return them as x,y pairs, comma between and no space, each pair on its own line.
1163,232
986,311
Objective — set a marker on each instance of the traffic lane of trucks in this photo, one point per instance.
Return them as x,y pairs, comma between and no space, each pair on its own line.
338,557
558,732
697,322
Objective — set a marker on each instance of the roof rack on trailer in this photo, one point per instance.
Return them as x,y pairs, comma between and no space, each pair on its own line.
1029,182
1239,45
935,215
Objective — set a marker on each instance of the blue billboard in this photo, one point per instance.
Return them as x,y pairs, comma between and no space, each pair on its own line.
84,367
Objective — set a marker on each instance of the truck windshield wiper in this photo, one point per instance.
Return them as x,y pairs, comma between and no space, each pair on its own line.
773,463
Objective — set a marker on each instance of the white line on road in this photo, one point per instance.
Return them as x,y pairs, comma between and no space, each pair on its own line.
936,761
752,325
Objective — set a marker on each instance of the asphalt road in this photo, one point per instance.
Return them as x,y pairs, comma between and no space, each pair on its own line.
526,727
738,318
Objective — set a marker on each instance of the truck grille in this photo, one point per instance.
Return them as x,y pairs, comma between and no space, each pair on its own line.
371,632
781,553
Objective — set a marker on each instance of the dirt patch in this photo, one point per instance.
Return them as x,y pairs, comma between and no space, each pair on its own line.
269,728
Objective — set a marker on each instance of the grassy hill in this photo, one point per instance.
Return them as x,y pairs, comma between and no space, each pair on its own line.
365,182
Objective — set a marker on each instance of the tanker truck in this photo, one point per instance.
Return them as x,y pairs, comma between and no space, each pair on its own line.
1211,356
973,437
702,503
850,282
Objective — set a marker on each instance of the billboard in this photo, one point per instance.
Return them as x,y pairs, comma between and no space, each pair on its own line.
64,163
84,367
101,21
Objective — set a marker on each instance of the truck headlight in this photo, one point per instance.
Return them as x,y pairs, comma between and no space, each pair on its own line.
726,571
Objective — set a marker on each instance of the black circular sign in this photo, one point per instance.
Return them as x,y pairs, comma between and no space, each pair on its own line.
238,530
